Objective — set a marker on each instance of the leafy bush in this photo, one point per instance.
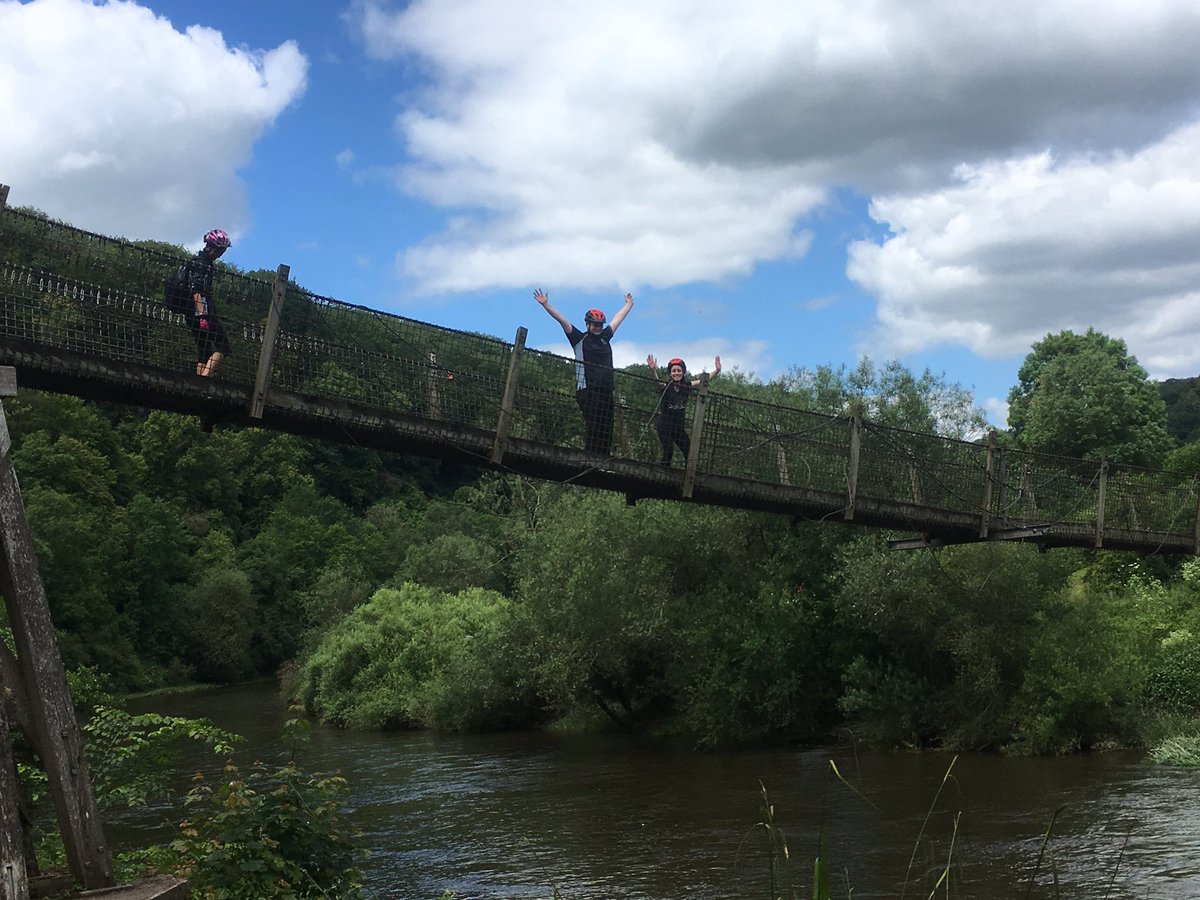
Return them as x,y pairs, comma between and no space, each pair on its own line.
418,657
271,831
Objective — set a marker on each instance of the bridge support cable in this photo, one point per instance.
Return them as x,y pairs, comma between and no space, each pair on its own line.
693,460
1101,490
43,687
266,356
852,460
509,399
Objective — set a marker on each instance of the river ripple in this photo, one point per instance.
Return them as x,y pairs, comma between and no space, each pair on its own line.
521,815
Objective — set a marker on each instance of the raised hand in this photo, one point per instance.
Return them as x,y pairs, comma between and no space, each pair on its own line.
717,366
541,296
651,362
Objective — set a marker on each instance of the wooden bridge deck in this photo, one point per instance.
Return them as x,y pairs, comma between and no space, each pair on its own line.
79,315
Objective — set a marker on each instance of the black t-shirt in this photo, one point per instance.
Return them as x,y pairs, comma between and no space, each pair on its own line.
675,398
199,280
594,359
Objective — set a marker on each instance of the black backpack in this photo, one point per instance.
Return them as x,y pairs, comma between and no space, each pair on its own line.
175,292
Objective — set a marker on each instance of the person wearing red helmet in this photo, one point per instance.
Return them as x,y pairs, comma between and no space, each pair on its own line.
194,284
593,369
672,408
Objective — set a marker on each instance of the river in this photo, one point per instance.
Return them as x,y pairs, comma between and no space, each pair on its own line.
524,815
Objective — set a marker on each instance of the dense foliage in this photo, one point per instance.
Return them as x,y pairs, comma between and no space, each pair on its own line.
401,593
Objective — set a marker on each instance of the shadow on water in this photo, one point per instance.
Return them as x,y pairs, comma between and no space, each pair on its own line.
519,815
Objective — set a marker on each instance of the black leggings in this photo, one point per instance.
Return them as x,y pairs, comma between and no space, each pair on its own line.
597,408
670,434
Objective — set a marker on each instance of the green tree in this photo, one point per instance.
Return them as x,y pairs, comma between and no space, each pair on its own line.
1080,395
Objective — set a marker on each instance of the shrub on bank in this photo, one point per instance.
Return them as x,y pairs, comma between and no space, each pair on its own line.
415,656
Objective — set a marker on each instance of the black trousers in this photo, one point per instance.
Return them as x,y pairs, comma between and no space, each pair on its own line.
597,408
671,433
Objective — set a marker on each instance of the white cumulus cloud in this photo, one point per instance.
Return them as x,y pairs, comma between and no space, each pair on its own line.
115,121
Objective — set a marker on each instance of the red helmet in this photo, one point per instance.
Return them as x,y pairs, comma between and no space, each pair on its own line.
217,238
594,315
677,362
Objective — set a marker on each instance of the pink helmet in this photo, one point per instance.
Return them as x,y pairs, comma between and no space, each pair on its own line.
217,238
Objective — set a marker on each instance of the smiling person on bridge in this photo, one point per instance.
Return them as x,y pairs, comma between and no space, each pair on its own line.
593,369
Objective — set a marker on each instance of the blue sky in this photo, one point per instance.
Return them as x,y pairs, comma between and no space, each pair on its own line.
783,184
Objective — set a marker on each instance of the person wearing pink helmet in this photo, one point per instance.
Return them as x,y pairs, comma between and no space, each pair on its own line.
593,369
672,411
212,343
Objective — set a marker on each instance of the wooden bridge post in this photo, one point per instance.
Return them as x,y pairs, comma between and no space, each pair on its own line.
55,731
1196,532
856,425
1100,491
622,407
989,467
509,400
3,196
266,356
693,461
781,457
433,390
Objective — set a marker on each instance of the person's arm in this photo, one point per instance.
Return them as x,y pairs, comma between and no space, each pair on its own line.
543,298
652,365
622,313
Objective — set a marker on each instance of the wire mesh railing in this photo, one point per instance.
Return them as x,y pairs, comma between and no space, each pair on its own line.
67,289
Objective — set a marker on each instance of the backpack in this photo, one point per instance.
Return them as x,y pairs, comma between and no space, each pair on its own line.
175,292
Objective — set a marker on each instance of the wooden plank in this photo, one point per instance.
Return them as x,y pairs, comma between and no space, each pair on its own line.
14,877
266,355
3,196
508,402
989,467
1101,489
8,381
433,389
52,715
856,423
781,457
693,463
1196,529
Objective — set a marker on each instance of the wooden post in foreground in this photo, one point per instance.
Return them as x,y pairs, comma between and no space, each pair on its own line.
693,460
266,356
55,731
14,877
509,401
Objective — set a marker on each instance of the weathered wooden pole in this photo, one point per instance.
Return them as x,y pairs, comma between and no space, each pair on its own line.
14,877
622,428
693,461
55,731
989,467
1100,491
781,457
508,402
266,356
856,426
433,390
1196,532
3,196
